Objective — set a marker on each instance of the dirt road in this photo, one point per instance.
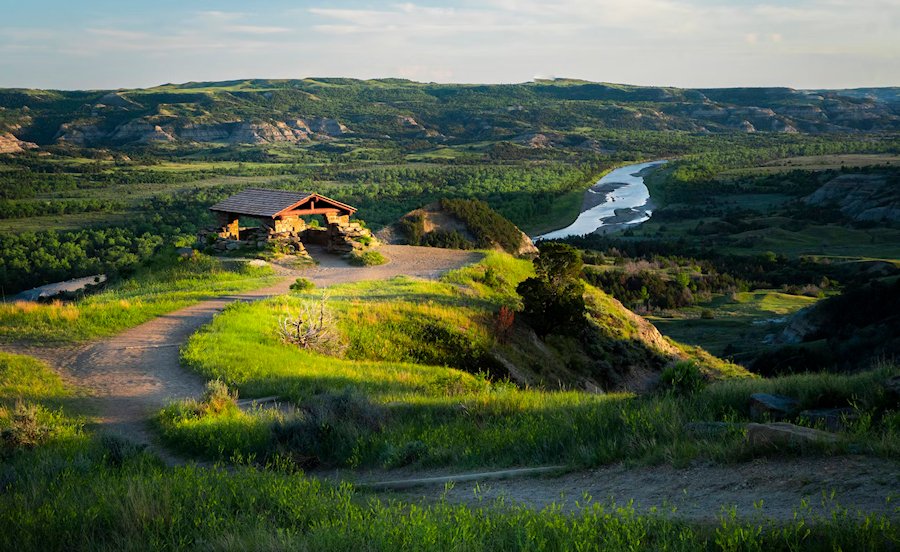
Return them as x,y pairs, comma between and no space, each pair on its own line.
130,376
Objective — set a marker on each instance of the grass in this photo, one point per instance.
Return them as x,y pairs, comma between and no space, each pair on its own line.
740,320
34,405
402,335
78,491
96,497
820,163
24,377
148,294
369,257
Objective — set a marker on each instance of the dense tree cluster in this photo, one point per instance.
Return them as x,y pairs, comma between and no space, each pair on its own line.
484,223
30,259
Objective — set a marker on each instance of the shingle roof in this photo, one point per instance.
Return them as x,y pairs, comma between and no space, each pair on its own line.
259,202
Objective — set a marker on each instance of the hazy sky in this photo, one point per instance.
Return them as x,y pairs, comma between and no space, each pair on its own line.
691,43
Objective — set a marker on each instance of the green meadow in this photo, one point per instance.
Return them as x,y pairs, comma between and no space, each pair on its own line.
412,387
165,286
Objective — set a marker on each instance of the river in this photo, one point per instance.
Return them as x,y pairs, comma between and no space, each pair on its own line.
617,200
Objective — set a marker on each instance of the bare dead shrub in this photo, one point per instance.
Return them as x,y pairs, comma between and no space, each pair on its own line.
313,328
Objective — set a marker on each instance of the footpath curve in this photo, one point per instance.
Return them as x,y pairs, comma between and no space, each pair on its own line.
130,376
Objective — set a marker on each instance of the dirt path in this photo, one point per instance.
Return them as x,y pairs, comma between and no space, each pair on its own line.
696,493
130,376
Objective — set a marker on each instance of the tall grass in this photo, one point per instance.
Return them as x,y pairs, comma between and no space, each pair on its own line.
89,498
152,292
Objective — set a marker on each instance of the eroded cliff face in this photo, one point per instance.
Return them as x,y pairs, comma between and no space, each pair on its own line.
861,197
144,131
10,144
141,132
80,133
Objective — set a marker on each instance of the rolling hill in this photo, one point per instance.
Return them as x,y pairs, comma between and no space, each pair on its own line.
271,111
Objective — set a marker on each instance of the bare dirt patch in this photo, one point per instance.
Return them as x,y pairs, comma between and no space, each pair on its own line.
771,488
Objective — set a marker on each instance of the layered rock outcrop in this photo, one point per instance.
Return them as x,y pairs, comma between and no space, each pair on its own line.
145,130
10,144
861,197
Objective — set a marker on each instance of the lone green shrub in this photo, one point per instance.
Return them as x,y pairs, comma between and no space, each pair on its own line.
302,284
369,257
330,428
218,397
683,378
25,431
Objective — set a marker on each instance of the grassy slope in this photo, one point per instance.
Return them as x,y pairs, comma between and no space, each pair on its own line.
115,501
75,491
435,415
128,303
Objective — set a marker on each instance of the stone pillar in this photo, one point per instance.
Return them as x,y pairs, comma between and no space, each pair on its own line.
230,227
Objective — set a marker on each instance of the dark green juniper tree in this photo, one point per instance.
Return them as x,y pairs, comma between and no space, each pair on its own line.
553,299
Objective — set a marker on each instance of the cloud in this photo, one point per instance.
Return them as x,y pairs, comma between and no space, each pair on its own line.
680,42
255,29
413,20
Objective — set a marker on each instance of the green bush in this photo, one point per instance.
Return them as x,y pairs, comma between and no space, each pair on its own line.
553,300
25,430
218,397
302,284
683,378
369,257
330,428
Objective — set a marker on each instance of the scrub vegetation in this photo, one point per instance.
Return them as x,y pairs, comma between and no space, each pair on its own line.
754,254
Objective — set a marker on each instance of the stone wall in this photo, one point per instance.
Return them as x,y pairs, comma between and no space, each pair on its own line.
288,235
229,226
288,243
289,224
345,236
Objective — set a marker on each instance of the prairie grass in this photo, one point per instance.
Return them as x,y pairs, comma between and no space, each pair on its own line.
89,498
419,351
128,303
75,491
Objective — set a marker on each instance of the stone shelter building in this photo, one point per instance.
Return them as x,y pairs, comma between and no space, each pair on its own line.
280,215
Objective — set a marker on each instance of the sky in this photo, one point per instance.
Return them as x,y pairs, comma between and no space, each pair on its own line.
78,44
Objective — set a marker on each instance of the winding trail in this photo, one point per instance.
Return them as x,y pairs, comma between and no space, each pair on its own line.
130,376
